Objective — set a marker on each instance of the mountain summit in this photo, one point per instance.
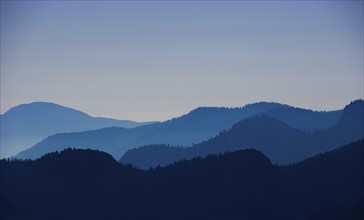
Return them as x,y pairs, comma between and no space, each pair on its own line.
282,143
25,125
198,125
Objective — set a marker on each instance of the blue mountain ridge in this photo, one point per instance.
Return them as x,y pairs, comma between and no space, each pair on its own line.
276,139
194,127
25,125
198,125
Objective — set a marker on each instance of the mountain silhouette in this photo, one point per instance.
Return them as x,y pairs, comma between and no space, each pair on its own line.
280,142
194,127
27,124
305,119
88,184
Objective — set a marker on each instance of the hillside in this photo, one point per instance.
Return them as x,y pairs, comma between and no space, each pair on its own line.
305,119
84,184
25,125
280,142
196,126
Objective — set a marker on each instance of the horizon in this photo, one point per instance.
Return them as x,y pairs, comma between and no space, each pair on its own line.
152,61
184,113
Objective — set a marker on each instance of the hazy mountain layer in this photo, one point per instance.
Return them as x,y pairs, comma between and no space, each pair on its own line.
280,142
305,119
25,125
194,127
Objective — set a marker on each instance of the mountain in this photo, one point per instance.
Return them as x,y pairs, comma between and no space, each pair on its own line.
27,124
331,181
305,119
279,141
87,184
194,127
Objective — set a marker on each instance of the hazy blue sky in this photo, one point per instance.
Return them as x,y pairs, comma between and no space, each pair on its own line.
156,60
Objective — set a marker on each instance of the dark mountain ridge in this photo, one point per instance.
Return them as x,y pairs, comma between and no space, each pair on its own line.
238,185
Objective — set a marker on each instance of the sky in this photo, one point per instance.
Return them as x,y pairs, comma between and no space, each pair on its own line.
156,60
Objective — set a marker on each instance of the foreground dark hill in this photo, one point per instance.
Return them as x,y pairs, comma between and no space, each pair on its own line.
280,142
196,126
27,124
84,184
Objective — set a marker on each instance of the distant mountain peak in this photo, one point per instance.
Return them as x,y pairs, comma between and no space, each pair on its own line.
356,105
353,112
24,125
253,108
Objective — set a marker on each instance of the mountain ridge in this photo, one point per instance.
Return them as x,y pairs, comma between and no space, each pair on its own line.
26,124
280,142
187,129
242,185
